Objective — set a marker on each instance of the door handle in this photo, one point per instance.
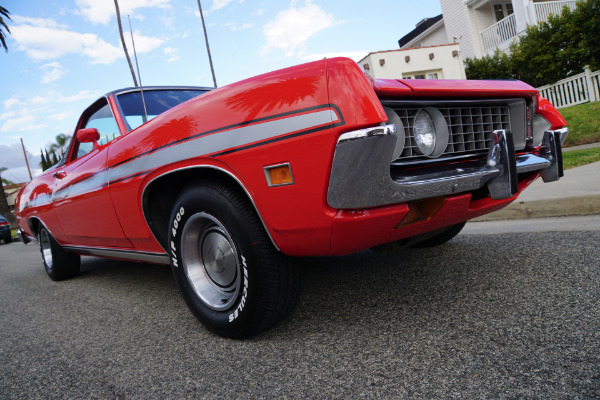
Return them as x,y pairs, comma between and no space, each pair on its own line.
59,174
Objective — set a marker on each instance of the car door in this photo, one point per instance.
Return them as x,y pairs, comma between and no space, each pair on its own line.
81,197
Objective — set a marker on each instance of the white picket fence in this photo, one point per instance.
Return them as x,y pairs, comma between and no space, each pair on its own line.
578,89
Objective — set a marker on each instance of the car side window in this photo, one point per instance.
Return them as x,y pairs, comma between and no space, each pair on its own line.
104,121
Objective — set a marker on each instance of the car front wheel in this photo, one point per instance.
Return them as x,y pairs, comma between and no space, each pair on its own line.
58,263
229,273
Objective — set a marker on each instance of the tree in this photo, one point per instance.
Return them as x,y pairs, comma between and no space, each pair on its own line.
123,43
549,51
61,142
43,162
497,66
4,14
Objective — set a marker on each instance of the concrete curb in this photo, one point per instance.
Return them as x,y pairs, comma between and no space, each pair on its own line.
559,207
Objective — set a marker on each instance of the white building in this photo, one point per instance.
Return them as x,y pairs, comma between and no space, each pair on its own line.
427,62
481,26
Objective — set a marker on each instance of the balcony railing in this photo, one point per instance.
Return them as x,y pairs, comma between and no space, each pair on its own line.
506,29
544,9
501,31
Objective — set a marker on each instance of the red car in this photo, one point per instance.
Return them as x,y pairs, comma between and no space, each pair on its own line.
227,185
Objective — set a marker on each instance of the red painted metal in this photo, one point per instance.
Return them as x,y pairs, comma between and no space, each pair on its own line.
97,200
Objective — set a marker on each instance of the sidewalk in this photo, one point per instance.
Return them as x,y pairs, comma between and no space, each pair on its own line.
576,193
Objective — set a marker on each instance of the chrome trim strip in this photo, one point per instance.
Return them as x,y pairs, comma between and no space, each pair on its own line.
364,133
203,167
235,137
155,258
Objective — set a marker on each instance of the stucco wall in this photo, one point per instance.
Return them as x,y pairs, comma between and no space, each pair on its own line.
395,65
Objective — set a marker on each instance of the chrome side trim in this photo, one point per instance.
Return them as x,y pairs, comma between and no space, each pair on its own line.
361,175
203,166
155,258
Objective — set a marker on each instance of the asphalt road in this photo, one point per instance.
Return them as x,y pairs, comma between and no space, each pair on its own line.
509,315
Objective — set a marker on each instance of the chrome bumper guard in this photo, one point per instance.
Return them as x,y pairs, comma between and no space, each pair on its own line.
22,237
360,174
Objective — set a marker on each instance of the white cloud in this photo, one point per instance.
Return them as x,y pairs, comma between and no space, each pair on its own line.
11,102
218,4
354,55
100,12
237,27
13,159
46,43
143,44
82,95
291,28
41,22
258,12
20,124
61,116
41,43
8,114
24,115
52,72
171,53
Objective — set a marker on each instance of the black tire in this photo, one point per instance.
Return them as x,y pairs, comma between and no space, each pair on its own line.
8,240
229,273
59,264
442,237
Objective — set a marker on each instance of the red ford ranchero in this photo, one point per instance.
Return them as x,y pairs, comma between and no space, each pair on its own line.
227,185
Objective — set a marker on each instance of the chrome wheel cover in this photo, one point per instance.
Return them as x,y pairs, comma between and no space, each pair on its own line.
46,248
210,261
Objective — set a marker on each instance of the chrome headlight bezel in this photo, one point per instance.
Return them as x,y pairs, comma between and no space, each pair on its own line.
435,130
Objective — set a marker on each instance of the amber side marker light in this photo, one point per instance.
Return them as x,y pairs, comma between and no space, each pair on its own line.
422,210
279,175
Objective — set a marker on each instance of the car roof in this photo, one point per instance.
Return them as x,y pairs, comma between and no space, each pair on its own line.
154,88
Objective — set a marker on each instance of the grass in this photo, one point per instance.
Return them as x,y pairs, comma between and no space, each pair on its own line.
576,158
584,123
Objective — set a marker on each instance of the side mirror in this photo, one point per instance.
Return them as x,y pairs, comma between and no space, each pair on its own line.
88,135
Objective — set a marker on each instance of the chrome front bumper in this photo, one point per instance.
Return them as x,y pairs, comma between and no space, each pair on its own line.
361,178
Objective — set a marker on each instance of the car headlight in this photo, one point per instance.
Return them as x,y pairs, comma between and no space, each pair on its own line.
430,132
393,118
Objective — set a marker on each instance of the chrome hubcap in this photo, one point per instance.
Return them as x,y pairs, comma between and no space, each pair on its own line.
46,249
210,261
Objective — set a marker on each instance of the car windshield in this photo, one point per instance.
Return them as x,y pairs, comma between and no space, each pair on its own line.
157,102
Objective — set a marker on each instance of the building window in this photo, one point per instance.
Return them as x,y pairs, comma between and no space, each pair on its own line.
420,76
502,10
432,76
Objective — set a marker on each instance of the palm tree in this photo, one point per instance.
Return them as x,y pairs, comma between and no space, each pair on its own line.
4,14
123,42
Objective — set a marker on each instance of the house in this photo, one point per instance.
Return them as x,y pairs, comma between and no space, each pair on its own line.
481,26
426,62
11,192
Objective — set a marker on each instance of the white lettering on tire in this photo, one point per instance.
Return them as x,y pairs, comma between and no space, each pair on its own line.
174,233
240,306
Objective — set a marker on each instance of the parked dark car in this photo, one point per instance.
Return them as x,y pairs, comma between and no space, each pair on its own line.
5,230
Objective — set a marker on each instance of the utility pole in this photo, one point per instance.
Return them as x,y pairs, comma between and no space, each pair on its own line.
207,47
26,160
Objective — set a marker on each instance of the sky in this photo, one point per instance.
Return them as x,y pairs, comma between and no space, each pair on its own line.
65,54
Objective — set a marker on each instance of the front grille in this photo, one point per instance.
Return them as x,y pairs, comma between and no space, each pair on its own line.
470,129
